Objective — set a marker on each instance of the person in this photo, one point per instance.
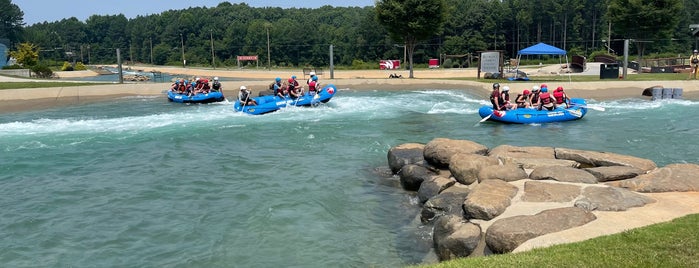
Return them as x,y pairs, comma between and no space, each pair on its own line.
178,87
292,90
561,97
312,74
216,85
278,89
694,63
534,98
496,98
296,85
506,98
314,86
523,100
245,97
546,100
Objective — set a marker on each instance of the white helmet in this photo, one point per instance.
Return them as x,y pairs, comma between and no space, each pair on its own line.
505,88
535,88
313,73
243,88
216,78
196,79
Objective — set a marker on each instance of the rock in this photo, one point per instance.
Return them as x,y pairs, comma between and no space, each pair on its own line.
488,199
508,151
536,191
603,159
445,203
404,154
671,178
612,199
412,176
562,174
614,173
455,237
465,167
439,151
505,173
532,163
506,234
432,187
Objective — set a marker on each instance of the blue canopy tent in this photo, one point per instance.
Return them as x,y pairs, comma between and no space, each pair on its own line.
541,49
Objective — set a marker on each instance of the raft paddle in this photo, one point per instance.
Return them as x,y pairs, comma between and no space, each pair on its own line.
485,118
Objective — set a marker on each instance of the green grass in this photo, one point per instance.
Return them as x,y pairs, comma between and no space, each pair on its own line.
18,85
670,244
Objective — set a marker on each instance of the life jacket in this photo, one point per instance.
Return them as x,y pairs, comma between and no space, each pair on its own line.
535,97
493,96
545,98
216,85
559,97
312,86
506,95
520,100
182,88
244,95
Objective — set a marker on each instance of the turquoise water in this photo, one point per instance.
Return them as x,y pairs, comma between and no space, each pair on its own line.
141,182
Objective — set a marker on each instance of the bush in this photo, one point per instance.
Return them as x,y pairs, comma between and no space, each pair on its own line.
42,71
447,63
67,66
79,67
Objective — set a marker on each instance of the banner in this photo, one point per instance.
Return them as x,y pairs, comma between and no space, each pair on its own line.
247,57
490,62
389,64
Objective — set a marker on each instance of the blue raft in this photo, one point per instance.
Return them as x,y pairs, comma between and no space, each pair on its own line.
214,96
578,109
269,103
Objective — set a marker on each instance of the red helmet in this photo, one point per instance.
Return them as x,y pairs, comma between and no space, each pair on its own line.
543,86
291,80
559,89
526,92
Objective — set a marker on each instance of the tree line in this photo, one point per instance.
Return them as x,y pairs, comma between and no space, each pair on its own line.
298,37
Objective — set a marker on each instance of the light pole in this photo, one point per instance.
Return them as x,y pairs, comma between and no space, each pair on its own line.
184,62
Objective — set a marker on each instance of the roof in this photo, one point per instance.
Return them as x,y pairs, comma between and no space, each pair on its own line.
542,49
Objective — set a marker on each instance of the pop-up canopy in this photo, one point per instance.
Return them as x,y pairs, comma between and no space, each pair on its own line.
541,49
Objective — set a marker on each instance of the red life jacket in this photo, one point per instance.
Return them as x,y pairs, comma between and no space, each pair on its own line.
559,97
312,86
545,98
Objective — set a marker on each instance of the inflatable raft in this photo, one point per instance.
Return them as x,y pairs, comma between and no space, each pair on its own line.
214,96
269,103
577,110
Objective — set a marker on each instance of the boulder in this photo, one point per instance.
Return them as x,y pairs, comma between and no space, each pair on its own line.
488,199
404,154
445,203
614,173
509,151
603,159
504,235
505,172
439,151
611,199
412,176
671,178
537,191
465,167
432,187
532,163
455,237
562,174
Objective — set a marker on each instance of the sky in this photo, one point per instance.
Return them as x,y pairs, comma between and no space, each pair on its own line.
37,11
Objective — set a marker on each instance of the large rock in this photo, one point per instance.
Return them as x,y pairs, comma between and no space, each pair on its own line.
504,173
465,167
603,159
506,234
432,187
509,151
439,151
536,191
412,176
611,199
488,199
614,173
671,178
532,163
455,237
445,203
562,174
404,154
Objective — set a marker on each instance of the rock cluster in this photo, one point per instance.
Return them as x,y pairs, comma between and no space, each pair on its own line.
466,190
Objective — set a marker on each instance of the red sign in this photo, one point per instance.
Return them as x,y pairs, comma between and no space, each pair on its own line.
433,63
247,57
389,64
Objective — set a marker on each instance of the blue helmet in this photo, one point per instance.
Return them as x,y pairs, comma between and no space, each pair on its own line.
278,79
293,77
315,78
544,89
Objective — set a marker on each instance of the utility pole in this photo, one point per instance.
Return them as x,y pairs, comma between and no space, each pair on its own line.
269,62
184,62
213,57
151,50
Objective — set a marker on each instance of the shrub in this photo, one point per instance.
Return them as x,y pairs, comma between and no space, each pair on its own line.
79,67
67,66
42,71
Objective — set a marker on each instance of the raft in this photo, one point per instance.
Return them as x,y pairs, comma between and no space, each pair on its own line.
269,103
577,110
213,96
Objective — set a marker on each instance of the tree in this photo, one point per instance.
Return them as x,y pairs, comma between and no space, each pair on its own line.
11,21
411,21
646,20
27,54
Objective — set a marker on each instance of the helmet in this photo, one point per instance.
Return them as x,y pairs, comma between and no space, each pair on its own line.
243,88
496,85
314,73
291,80
525,92
535,88
196,79
544,89
315,78
278,79
543,86
293,77
559,89
695,51
505,88
216,78
205,81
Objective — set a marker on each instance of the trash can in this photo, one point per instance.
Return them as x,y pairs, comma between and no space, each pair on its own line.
609,71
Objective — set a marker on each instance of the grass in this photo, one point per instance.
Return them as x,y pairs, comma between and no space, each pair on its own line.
670,244
591,78
18,85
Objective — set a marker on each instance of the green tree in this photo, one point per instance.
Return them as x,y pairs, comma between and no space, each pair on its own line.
411,21
644,20
27,54
11,21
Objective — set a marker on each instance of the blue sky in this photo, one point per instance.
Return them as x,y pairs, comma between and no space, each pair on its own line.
36,11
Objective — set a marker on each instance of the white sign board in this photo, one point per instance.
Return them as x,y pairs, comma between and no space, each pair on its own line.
490,62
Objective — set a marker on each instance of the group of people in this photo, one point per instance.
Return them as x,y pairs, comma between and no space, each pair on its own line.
538,98
197,86
284,89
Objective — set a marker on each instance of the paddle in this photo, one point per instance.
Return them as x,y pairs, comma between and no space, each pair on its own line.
485,118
